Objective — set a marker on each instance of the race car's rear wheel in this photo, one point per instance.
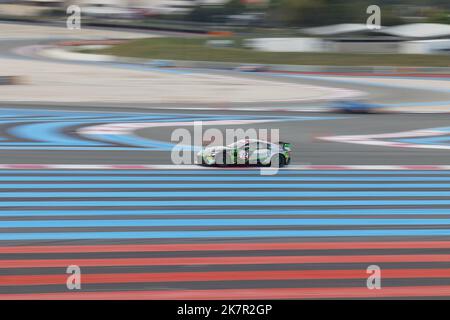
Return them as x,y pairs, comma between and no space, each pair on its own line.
287,161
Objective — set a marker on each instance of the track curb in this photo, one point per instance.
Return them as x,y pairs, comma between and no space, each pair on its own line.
197,167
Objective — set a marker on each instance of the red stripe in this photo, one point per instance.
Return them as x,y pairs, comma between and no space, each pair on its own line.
222,260
242,294
228,247
54,279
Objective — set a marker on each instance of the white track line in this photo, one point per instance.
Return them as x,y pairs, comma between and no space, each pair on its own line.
193,167
374,139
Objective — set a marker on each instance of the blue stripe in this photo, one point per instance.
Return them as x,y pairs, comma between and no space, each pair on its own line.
433,140
133,140
222,234
223,194
119,114
215,203
44,128
441,140
337,212
444,129
218,171
218,223
222,186
93,148
50,132
220,178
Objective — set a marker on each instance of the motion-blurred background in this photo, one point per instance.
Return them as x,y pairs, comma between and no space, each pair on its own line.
87,177
327,26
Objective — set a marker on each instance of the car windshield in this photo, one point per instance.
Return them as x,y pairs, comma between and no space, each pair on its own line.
251,145
238,144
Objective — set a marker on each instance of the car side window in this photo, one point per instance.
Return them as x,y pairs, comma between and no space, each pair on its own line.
252,146
263,146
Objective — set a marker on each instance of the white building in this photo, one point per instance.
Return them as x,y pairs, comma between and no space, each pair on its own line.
103,7
169,6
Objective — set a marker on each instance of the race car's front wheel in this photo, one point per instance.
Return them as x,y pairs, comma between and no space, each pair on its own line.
205,160
278,161
223,159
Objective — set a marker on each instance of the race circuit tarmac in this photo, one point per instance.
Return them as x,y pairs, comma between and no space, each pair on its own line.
218,233
35,140
94,186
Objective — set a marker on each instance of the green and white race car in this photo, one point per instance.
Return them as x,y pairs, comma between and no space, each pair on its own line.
247,152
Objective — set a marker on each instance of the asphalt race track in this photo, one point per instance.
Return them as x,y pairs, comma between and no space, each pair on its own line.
61,141
168,232
95,187
224,233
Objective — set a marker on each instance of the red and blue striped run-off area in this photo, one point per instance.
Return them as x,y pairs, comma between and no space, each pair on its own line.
191,233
